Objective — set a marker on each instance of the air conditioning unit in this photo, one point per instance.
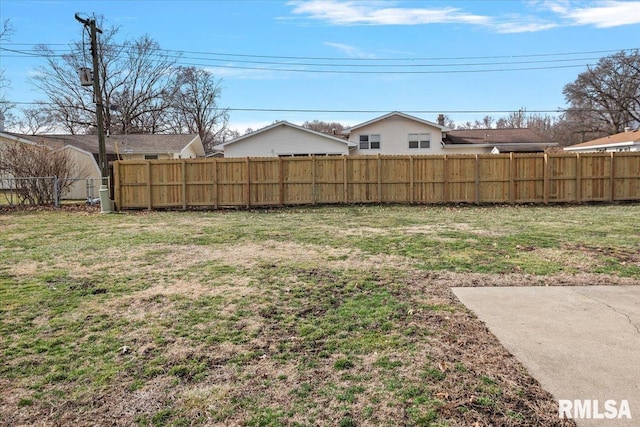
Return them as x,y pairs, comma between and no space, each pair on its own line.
86,76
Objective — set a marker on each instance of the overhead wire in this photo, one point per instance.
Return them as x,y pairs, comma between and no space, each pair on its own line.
231,61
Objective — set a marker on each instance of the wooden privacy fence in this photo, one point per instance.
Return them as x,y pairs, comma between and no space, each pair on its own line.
482,178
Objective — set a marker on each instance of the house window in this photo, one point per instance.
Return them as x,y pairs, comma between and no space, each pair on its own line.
369,142
151,157
419,140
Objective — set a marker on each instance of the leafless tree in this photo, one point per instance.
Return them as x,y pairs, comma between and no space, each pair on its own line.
136,79
329,128
516,119
5,104
21,160
142,87
195,106
606,97
485,123
35,120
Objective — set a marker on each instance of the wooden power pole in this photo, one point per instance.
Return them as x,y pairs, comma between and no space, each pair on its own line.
97,95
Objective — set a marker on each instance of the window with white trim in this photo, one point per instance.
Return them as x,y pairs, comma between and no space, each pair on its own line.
419,140
370,142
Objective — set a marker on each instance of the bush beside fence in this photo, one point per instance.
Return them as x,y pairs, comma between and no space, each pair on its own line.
484,178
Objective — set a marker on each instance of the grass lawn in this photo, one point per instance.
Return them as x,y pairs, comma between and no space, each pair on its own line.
336,316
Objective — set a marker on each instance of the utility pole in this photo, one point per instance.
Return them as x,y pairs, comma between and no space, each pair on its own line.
105,202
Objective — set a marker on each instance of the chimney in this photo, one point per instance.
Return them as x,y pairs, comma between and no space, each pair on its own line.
441,119
627,129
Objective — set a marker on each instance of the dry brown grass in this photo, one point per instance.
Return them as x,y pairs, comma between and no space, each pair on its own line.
298,321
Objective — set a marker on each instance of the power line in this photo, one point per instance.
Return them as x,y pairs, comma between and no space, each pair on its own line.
411,58
311,64
352,111
444,71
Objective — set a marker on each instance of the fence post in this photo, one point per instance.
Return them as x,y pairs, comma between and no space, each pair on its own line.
545,180
184,184
215,183
512,181
345,174
578,178
248,165
149,184
477,180
612,178
445,180
313,179
280,181
412,197
379,173
116,185
56,192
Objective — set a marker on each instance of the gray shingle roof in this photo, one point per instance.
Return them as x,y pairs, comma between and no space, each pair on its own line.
146,144
495,136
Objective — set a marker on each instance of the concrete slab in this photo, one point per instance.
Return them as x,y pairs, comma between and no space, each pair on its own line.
579,342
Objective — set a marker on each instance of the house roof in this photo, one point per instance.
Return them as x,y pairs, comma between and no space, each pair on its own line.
347,131
619,139
286,124
512,136
142,144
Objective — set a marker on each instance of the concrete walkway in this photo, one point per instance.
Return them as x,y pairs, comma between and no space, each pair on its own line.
579,342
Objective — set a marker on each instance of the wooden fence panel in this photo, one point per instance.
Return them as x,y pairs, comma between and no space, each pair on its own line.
462,179
232,182
528,178
133,188
362,178
297,180
563,176
493,177
201,183
626,176
595,177
166,184
486,178
429,179
329,180
264,176
395,179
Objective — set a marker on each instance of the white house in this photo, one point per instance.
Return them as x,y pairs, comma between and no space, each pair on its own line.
396,133
399,133
285,139
625,141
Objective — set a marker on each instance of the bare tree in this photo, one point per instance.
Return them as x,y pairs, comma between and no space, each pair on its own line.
516,119
329,128
142,89
195,106
5,104
485,123
35,120
136,80
29,164
606,97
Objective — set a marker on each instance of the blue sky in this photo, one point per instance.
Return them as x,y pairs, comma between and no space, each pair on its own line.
348,58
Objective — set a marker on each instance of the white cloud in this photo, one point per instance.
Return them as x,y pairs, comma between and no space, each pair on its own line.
606,14
548,14
350,51
378,13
